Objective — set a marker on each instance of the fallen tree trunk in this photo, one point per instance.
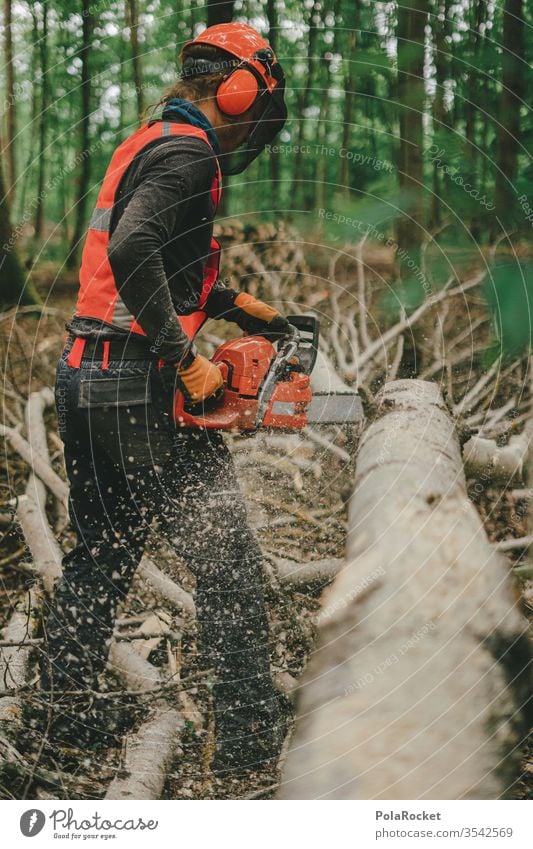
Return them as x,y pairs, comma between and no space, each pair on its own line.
417,686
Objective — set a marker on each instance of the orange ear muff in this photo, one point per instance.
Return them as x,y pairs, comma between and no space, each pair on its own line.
237,92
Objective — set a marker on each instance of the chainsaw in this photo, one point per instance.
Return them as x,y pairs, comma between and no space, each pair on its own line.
269,388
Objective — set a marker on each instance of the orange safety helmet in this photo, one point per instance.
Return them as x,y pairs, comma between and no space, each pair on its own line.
253,73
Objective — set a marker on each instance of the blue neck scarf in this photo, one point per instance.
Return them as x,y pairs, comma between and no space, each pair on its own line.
188,112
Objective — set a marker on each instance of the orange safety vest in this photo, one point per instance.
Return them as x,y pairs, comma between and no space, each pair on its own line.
98,295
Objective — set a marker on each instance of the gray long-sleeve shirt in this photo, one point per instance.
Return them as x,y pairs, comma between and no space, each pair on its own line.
161,229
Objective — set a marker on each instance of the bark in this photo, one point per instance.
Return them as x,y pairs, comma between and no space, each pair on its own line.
84,153
412,18
513,89
473,115
418,683
132,22
528,565
469,105
316,192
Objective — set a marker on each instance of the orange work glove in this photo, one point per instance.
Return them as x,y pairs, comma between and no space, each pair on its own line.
264,320
200,380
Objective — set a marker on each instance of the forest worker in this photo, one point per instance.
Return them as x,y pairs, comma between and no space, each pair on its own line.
148,281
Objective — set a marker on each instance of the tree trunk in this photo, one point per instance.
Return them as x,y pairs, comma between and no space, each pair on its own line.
123,85
418,683
43,124
412,18
274,159
508,128
11,130
28,167
219,12
304,101
473,97
351,22
439,30
132,22
84,130
316,192
14,288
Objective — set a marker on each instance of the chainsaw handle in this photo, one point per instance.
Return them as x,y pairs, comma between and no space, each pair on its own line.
308,329
293,335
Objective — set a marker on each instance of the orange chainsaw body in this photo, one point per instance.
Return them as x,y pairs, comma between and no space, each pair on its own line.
245,363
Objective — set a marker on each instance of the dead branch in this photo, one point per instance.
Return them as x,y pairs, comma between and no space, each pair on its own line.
15,658
379,345
149,756
166,588
150,751
39,466
302,574
512,544
324,442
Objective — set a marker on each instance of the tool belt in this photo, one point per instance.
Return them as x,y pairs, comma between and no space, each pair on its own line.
79,348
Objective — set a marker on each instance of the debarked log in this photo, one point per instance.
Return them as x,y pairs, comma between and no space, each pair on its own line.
419,680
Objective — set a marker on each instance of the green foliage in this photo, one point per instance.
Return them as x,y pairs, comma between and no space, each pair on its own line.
340,147
405,297
509,292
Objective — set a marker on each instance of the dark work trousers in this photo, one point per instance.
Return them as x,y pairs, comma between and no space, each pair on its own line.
127,465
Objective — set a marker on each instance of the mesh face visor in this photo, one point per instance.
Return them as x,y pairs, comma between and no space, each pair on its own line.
264,130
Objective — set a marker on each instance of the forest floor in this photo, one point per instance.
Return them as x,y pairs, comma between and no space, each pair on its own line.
296,494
